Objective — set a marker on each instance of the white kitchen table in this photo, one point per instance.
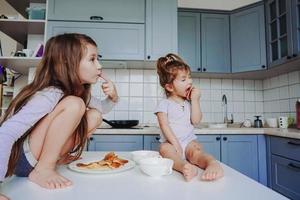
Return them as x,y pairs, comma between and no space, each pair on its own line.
133,184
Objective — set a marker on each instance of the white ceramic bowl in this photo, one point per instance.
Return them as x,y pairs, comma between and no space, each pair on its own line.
156,167
139,155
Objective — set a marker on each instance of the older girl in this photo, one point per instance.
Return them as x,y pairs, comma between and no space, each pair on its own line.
54,115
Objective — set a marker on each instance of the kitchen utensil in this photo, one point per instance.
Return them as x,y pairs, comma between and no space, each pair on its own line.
143,154
283,122
258,122
156,167
122,123
272,122
247,123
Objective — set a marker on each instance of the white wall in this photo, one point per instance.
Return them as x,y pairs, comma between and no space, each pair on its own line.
215,4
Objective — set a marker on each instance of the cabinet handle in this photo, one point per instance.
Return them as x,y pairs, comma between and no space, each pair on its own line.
96,18
294,166
157,138
218,138
199,69
224,138
204,69
288,57
148,57
294,55
91,138
263,66
293,143
99,56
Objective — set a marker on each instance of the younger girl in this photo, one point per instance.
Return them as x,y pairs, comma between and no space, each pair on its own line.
54,115
176,116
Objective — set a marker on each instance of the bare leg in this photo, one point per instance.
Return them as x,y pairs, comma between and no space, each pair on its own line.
196,155
56,128
2,197
188,170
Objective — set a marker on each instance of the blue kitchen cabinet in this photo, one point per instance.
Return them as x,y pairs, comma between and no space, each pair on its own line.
244,153
133,11
211,144
161,28
284,166
115,143
117,41
241,153
151,142
215,44
248,42
189,39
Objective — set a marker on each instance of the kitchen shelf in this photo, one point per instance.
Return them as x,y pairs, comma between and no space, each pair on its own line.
21,6
20,64
19,29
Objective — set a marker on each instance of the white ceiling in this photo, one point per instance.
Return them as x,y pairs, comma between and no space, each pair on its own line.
215,4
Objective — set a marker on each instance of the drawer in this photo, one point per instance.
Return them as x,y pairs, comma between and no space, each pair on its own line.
289,148
286,176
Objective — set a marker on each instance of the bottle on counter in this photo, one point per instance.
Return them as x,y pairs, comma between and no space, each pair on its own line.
298,114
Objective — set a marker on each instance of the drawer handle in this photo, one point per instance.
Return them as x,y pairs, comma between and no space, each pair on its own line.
293,143
157,138
96,18
294,166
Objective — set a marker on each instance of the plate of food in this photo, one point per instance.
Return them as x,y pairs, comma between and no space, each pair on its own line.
110,163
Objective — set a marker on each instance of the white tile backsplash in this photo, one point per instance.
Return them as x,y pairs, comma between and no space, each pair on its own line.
140,92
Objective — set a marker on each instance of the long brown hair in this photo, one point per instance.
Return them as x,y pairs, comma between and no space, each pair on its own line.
167,68
58,68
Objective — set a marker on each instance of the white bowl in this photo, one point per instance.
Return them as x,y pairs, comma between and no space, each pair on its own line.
139,155
156,167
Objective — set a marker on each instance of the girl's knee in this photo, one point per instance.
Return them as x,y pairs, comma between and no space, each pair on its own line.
74,104
94,117
164,148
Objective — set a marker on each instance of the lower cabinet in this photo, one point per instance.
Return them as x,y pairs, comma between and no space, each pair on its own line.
244,153
151,142
284,166
115,143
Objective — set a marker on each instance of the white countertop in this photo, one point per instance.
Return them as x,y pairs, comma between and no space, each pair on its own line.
133,184
289,133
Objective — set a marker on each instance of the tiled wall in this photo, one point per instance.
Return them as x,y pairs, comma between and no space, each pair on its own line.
139,93
280,94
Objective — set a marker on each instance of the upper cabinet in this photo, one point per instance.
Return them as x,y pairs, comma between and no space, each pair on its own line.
296,27
248,44
189,41
115,41
161,28
133,11
215,47
203,41
281,24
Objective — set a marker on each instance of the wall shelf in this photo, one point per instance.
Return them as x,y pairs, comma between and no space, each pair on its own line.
20,64
21,6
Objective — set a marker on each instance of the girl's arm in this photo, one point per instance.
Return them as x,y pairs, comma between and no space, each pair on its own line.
196,114
167,131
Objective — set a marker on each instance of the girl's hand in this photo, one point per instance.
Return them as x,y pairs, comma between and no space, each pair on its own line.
109,88
192,94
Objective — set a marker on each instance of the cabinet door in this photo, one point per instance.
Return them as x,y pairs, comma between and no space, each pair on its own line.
115,41
115,143
211,144
248,43
151,142
296,27
161,28
102,10
215,43
286,176
279,29
189,39
240,153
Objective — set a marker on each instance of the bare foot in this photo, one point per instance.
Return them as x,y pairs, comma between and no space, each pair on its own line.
189,171
2,197
49,179
212,172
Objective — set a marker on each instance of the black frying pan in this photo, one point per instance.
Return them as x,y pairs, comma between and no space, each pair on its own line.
122,123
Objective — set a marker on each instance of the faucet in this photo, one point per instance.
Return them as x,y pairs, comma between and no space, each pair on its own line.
225,114
224,104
